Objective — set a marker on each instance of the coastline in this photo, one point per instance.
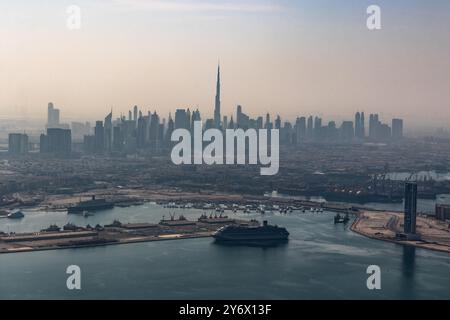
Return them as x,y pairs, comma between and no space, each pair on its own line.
128,241
131,197
373,232
116,233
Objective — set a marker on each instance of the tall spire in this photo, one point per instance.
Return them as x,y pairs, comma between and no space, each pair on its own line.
217,102
218,81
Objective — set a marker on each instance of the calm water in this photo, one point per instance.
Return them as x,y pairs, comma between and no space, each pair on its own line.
322,260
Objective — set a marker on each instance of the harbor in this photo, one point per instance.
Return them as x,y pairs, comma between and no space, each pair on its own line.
73,236
304,268
78,217
175,216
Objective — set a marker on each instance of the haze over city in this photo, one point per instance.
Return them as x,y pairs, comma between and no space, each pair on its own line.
225,158
281,57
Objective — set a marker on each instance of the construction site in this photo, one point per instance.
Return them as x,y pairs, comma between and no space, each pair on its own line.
432,234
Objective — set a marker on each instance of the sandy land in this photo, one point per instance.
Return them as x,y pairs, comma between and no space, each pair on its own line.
435,234
60,201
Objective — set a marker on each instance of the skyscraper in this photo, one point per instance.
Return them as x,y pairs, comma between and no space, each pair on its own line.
224,122
142,132
376,131
278,123
118,139
52,116
188,119
359,126
99,136
363,125
154,130
347,131
217,102
170,128
135,114
195,117
317,128
108,132
181,121
242,120
309,128
397,129
18,143
360,131
259,122
300,129
268,124
56,141
410,208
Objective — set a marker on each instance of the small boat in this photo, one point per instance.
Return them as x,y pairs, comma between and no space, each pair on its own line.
51,228
87,214
15,215
340,219
115,224
70,227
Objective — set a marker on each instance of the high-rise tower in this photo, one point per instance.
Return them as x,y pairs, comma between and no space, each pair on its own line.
108,131
358,125
52,116
410,207
217,102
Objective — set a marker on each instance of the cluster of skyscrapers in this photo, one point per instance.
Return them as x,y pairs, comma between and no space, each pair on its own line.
58,138
128,135
150,132
18,143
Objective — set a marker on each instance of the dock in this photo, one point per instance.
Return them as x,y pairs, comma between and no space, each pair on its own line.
116,233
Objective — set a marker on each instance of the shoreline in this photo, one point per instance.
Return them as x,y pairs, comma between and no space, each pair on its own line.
124,242
116,233
129,196
438,247
132,197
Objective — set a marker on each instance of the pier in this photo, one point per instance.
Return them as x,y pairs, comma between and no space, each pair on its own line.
116,233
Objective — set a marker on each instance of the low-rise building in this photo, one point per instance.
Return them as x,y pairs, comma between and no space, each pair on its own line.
442,211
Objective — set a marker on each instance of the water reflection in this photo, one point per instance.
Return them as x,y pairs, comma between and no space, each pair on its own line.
408,271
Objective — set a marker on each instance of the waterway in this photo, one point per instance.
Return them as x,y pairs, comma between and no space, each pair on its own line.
321,261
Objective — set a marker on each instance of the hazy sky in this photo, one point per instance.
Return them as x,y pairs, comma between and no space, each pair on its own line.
286,57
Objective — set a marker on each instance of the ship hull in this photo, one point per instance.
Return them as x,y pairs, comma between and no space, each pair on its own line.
251,236
251,241
80,209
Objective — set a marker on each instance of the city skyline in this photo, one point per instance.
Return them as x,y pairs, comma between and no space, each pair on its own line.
220,120
222,151
275,55
147,130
